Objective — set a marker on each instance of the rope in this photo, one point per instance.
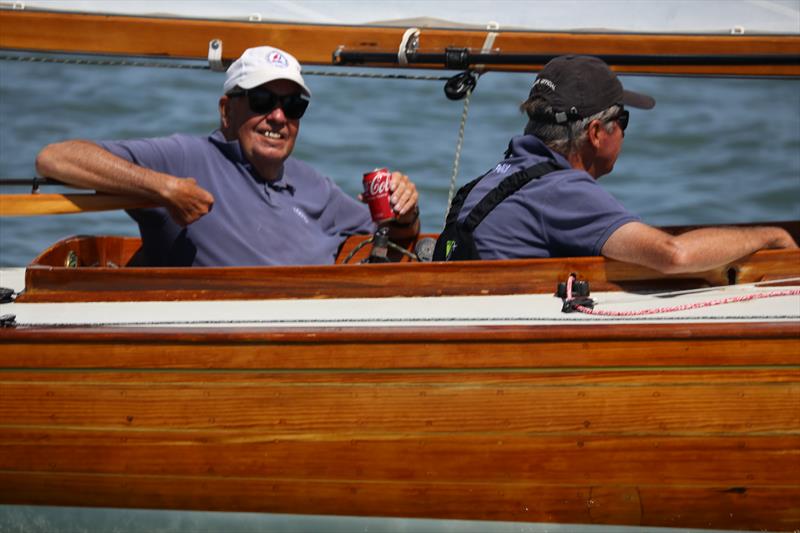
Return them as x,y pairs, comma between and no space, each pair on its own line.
459,145
671,294
106,62
672,309
390,244
412,256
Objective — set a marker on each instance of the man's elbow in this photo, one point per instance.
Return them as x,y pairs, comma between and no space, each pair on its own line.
52,157
45,161
674,259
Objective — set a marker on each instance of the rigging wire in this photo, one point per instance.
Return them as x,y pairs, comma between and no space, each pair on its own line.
105,62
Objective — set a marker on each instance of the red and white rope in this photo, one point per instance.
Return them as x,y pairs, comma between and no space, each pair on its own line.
684,307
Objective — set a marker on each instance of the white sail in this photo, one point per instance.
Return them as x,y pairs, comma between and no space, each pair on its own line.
639,16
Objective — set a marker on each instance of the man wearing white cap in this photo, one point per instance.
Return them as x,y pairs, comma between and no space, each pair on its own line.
268,207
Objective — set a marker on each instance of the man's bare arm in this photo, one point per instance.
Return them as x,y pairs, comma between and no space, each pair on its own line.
86,165
693,251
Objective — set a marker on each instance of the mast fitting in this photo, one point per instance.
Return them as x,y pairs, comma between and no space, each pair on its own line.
408,46
215,55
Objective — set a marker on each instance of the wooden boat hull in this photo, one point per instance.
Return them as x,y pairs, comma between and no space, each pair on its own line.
687,422
654,425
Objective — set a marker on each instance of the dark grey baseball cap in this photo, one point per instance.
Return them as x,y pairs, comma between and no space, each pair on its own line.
577,87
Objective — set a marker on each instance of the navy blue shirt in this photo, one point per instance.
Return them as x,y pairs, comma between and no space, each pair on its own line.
300,219
562,214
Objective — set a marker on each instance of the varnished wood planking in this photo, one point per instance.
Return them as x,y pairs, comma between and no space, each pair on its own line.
613,460
567,376
712,506
353,462
623,345
315,44
640,404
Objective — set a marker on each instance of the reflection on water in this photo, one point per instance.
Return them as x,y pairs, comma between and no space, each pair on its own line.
31,519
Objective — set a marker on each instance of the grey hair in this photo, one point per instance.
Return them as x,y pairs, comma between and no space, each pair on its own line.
568,138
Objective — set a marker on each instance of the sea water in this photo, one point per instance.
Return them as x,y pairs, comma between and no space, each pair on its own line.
714,150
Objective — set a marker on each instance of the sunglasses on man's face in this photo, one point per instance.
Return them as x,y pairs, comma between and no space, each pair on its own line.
622,119
264,101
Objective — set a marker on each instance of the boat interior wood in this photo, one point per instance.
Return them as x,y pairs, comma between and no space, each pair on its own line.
99,274
166,37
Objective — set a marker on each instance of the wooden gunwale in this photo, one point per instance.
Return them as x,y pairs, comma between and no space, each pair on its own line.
101,275
62,284
314,44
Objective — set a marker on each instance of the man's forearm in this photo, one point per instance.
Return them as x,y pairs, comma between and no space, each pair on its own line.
86,165
693,251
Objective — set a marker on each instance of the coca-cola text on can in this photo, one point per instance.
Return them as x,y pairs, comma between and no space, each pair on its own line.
378,195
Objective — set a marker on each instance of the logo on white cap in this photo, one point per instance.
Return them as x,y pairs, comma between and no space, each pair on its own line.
277,59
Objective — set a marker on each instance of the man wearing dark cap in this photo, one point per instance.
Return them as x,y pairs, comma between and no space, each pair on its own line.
543,199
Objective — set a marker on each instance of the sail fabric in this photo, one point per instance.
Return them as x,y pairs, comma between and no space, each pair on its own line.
636,16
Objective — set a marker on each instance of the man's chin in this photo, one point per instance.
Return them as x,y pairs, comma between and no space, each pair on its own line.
274,152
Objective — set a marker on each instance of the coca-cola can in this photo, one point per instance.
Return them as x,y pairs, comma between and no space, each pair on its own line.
378,195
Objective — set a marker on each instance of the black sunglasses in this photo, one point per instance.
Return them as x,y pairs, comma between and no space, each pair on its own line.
263,101
622,119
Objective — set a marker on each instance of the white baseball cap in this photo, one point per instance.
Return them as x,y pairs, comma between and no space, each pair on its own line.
263,64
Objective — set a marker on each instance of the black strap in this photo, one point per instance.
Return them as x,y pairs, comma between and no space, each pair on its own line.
456,243
506,188
458,200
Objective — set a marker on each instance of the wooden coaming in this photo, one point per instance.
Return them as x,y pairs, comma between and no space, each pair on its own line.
695,426
315,44
100,278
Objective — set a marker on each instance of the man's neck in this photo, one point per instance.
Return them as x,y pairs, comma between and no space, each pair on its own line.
582,161
270,173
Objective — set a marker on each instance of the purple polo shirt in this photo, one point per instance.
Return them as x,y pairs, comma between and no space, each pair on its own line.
300,219
562,214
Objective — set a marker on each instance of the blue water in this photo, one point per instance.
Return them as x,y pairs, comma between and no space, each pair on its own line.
712,151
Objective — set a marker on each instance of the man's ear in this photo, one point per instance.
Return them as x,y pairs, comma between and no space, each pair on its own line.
224,110
593,133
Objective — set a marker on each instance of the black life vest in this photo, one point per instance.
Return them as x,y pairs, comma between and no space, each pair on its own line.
456,242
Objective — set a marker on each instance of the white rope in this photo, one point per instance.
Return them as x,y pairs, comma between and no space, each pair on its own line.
459,145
